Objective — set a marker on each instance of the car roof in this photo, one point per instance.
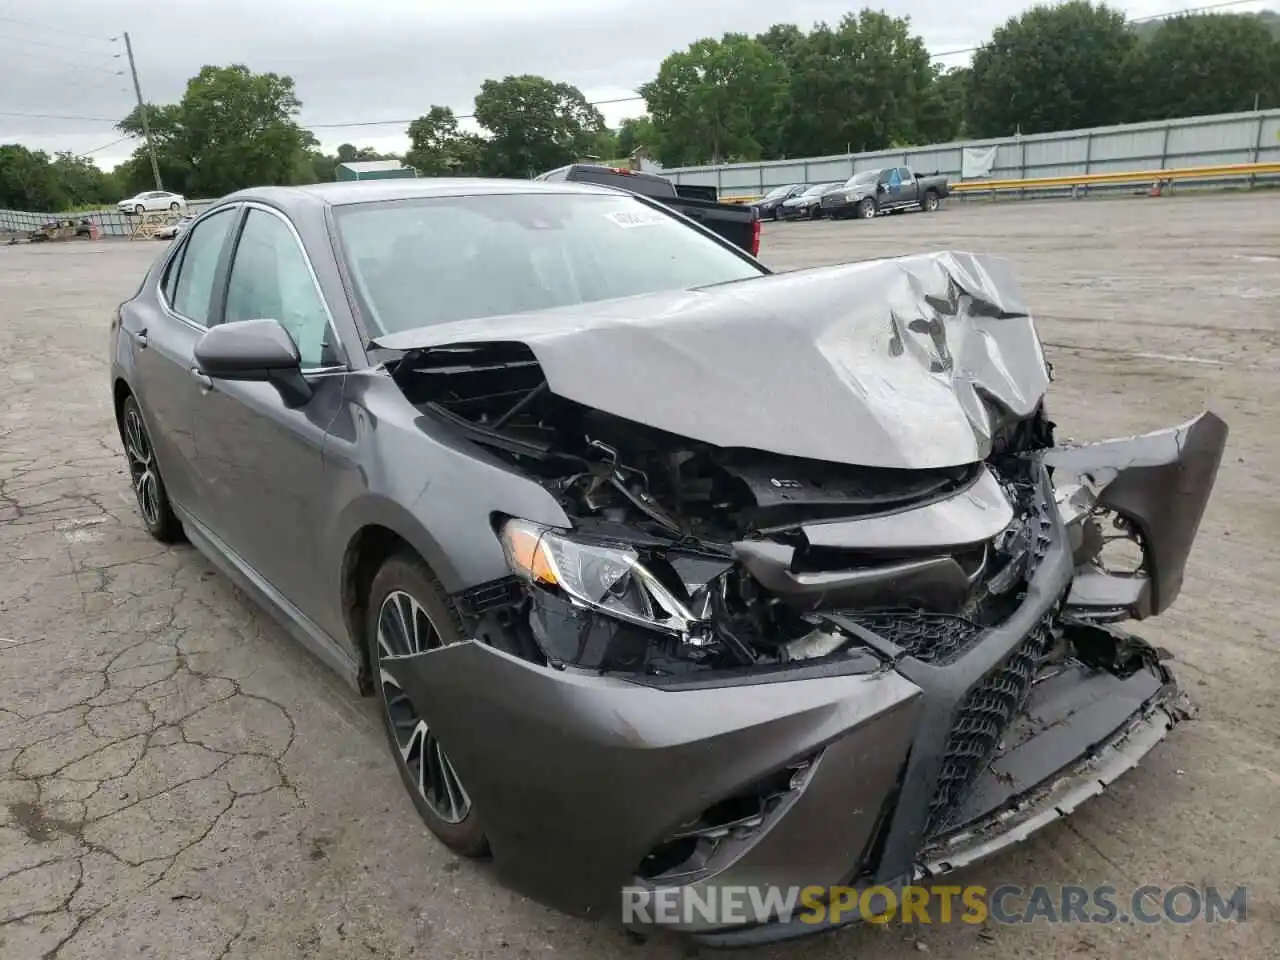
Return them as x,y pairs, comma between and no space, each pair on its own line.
375,191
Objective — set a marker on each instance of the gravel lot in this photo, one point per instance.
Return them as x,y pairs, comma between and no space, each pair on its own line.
179,780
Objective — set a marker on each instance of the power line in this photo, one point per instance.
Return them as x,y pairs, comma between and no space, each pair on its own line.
57,116
30,25
105,146
57,46
46,58
457,116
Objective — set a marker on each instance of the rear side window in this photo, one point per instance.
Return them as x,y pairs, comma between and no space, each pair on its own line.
194,287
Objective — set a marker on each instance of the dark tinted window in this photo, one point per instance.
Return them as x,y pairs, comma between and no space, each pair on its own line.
421,262
199,264
646,186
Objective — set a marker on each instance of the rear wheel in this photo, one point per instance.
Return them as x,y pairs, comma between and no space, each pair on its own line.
144,473
409,612
930,202
175,206
866,208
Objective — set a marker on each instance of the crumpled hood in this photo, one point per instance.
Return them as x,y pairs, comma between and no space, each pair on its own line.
883,363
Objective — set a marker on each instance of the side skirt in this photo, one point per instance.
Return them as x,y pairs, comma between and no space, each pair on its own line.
299,626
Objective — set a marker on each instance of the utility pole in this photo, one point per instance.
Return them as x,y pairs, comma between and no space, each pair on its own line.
142,112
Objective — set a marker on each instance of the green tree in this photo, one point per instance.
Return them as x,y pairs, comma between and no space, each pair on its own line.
83,183
534,125
865,84
636,132
1216,63
943,110
1054,68
718,100
439,148
785,41
233,128
28,180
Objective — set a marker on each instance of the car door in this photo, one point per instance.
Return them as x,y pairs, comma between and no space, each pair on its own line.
162,333
261,459
909,191
892,195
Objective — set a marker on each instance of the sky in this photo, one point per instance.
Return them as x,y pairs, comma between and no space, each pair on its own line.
390,60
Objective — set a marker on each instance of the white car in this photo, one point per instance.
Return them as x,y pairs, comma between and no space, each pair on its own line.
152,200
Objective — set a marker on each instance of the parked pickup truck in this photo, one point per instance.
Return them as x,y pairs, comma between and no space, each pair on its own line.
737,223
871,192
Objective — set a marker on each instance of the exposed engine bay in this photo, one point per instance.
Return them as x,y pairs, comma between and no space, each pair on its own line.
711,558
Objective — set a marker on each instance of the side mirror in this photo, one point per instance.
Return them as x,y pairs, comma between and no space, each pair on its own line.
259,350
882,187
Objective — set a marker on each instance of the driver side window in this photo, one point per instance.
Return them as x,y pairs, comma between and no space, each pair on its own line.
271,280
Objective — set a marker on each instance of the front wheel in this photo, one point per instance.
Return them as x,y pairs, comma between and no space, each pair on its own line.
175,207
139,210
866,209
930,202
409,612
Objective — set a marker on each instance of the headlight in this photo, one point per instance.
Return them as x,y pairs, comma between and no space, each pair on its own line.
608,578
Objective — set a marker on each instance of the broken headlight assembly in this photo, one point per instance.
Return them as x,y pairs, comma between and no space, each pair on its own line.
608,578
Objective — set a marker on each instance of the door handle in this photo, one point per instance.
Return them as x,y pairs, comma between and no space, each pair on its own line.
139,337
202,379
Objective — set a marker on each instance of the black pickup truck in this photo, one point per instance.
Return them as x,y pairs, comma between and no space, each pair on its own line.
871,192
737,223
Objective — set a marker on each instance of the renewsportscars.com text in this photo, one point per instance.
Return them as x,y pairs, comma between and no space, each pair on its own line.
1006,904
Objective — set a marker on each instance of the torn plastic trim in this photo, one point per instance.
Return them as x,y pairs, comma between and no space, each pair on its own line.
1160,483
974,515
935,582
1088,779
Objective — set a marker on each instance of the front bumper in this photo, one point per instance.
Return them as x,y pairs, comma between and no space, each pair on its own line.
840,206
797,212
895,766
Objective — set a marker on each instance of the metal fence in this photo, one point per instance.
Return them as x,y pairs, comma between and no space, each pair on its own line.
1231,138
109,220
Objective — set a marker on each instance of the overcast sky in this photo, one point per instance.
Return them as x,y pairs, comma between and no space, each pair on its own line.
389,60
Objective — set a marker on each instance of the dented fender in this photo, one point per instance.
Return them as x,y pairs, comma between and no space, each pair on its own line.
1160,484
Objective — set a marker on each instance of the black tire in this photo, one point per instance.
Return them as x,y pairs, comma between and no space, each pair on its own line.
175,206
405,574
866,209
144,475
139,210
930,202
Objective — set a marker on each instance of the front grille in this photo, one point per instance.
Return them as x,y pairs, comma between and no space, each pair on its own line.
980,722
929,637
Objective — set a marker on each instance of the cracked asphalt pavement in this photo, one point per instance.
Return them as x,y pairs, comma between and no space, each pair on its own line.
178,779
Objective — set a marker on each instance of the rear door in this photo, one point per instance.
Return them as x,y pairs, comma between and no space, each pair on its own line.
260,460
162,337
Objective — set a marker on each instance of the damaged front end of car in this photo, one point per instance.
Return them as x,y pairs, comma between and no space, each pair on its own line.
753,665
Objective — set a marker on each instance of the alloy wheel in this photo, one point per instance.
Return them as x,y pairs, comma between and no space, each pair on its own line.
142,467
404,628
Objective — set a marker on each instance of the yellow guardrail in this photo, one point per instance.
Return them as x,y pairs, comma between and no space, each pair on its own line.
1218,172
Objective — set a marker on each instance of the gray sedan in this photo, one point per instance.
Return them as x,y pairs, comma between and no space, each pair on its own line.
670,575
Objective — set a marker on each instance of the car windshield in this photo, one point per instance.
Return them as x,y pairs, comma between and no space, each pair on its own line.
776,192
817,188
863,179
420,262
